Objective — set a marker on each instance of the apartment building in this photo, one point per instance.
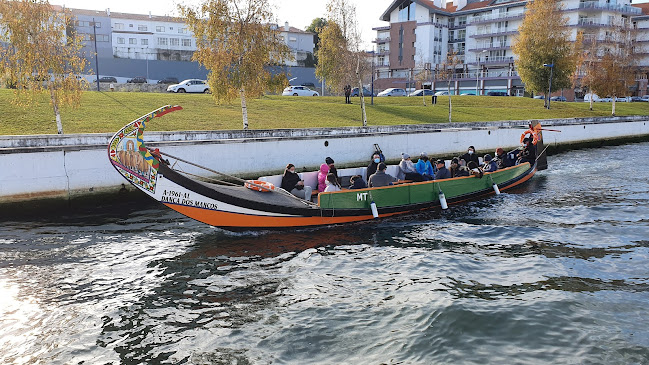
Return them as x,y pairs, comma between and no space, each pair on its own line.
422,32
155,47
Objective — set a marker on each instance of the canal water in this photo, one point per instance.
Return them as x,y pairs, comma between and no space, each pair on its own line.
553,272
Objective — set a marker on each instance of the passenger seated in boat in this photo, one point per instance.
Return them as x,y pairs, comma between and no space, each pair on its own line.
332,183
442,171
489,164
462,170
503,159
322,177
470,155
380,178
407,169
357,182
330,162
528,154
292,183
371,168
475,170
424,167
455,167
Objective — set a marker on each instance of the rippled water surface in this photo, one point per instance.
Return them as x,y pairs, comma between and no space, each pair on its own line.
553,272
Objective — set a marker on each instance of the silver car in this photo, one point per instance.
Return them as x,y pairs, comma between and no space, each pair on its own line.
393,91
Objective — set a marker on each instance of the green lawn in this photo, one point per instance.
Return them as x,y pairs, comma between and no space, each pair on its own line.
109,111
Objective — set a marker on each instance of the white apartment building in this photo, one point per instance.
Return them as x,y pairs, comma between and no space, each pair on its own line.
422,32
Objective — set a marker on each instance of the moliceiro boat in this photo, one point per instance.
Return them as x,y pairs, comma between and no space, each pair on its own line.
257,204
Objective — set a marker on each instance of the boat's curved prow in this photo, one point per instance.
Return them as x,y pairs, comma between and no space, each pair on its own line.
130,157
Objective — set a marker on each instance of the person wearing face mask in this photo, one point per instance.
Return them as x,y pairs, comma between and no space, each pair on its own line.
292,183
371,168
470,156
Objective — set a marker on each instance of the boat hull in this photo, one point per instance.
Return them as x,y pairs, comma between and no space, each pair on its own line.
235,207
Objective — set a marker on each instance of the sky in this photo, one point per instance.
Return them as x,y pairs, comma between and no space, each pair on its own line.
298,13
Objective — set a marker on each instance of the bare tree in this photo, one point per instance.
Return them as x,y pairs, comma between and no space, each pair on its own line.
447,73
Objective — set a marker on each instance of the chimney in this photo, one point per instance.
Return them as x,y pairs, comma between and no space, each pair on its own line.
286,27
107,11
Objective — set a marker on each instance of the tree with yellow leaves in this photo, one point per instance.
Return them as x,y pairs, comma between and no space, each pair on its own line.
236,41
544,38
610,64
40,53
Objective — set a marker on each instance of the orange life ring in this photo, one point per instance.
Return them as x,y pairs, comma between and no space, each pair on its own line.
264,186
535,136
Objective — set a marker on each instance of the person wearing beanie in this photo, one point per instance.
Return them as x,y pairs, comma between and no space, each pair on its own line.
489,164
502,159
380,178
424,167
407,170
330,162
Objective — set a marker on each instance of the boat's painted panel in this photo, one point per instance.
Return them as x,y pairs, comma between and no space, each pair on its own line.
416,193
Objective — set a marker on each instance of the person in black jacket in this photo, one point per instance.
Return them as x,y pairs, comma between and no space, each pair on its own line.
470,156
371,168
292,183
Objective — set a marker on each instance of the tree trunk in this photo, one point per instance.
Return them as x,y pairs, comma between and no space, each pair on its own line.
57,113
613,111
244,108
591,101
450,107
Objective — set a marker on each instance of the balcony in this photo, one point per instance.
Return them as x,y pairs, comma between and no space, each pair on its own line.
495,32
491,46
457,40
493,60
494,18
596,6
592,23
383,52
498,74
381,40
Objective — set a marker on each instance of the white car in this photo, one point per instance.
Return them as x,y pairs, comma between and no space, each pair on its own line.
441,93
190,86
299,91
393,91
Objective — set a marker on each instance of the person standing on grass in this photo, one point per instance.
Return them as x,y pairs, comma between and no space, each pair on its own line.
348,93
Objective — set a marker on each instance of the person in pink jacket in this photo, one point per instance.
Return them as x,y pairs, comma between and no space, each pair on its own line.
322,176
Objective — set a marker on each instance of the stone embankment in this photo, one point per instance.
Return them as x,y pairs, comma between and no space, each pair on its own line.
53,166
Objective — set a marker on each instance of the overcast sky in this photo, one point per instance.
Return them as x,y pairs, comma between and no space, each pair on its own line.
299,13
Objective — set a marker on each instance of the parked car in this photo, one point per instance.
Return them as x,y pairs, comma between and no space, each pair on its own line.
422,92
604,100
645,97
441,93
558,98
635,99
107,79
365,92
622,99
137,80
542,97
190,86
468,93
299,91
308,84
168,80
498,93
393,91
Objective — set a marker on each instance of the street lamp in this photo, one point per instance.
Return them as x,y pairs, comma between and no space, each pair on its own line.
551,66
477,73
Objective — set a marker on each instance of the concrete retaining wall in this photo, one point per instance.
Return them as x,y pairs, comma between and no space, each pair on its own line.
69,165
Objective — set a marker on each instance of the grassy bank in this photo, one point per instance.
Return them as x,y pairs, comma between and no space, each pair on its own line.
108,112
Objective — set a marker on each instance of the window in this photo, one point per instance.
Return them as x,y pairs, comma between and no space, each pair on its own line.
182,30
187,42
97,24
120,40
461,21
159,28
162,41
144,42
292,39
82,23
406,11
102,38
174,42
142,28
130,25
119,26
132,41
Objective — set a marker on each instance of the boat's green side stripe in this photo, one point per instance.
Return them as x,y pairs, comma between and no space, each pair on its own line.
416,193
